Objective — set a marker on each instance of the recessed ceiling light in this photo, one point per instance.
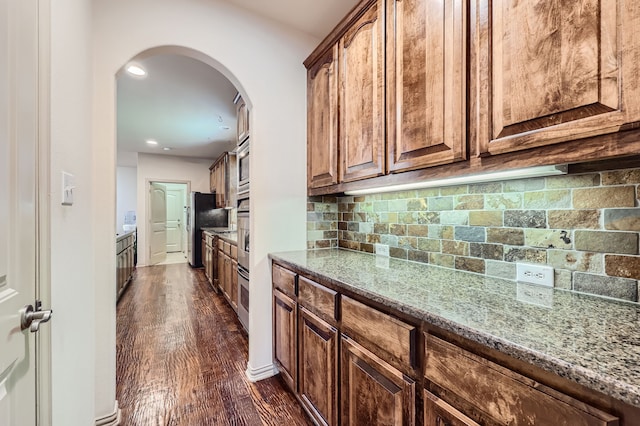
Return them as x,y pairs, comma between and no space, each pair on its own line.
152,142
136,70
224,127
166,148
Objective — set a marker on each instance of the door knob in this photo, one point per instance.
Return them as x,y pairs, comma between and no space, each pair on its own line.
32,318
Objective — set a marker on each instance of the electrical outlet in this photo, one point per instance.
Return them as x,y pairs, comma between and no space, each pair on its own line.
382,250
535,294
535,274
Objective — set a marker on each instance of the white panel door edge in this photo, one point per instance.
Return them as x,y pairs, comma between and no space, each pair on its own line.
19,118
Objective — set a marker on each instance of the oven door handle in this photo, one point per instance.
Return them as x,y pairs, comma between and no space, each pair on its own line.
243,273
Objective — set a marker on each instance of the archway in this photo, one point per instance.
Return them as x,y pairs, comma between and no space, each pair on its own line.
264,61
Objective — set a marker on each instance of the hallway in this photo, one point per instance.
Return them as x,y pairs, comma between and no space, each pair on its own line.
181,357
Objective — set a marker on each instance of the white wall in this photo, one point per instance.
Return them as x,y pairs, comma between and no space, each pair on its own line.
74,273
165,168
126,200
264,61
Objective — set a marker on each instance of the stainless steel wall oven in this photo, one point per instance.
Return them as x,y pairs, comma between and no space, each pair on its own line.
243,263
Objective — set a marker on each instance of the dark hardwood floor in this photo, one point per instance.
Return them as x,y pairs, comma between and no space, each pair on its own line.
181,357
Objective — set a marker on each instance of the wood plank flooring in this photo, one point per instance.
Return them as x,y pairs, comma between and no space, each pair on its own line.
181,357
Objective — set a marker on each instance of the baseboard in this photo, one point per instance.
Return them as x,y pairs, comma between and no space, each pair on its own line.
112,419
264,372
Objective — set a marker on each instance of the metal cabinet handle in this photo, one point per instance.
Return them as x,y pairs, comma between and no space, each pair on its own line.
31,318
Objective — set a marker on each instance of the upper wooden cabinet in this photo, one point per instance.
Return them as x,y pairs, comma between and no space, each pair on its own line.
223,180
361,100
430,89
242,115
389,93
322,121
426,83
550,72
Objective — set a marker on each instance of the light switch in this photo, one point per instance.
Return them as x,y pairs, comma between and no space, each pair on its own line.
68,186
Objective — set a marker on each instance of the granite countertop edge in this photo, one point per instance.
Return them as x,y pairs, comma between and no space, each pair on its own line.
586,377
230,237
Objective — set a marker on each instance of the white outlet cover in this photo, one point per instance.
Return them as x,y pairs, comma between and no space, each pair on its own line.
535,274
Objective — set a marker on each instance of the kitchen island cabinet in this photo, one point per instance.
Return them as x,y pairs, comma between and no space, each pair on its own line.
125,254
425,345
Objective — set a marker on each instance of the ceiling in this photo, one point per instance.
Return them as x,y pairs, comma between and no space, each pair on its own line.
186,105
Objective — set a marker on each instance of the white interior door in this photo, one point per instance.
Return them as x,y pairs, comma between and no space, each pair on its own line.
158,203
175,206
18,165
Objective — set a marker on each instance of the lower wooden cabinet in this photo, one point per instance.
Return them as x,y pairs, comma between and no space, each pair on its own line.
373,392
318,373
284,337
233,279
504,395
439,413
124,263
352,364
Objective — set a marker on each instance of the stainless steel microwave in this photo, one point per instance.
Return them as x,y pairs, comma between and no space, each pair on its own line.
243,169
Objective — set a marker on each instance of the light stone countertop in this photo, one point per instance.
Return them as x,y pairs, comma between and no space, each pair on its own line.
230,237
587,339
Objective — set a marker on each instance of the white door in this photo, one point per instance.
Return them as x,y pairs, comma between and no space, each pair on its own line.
158,203
175,206
18,179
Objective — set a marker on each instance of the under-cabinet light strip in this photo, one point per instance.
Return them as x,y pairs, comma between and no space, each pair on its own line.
528,172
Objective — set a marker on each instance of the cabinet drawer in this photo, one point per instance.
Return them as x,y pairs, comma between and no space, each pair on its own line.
234,252
227,248
439,413
317,298
386,332
504,395
284,279
220,244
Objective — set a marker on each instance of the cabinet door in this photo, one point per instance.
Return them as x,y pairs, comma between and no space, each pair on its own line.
361,71
426,83
212,180
439,413
318,352
549,72
203,245
233,280
243,120
227,281
373,392
322,121
221,271
284,337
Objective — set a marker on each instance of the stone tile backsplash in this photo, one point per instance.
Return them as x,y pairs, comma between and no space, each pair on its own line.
586,226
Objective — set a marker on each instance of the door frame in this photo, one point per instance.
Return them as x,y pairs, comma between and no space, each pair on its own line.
147,225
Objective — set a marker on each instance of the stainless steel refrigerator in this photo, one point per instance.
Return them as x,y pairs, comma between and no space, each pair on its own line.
202,214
